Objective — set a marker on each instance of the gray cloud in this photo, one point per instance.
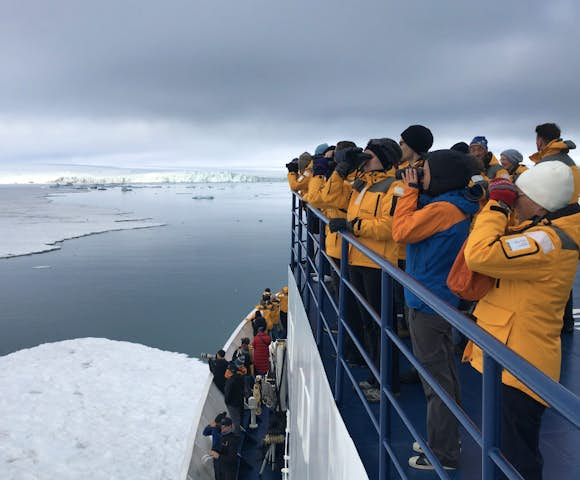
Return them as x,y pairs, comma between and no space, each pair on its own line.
198,80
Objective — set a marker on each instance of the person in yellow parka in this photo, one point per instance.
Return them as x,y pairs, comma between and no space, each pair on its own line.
369,217
491,166
511,160
535,264
551,147
299,173
322,170
282,297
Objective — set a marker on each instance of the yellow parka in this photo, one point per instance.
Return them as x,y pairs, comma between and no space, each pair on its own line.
558,150
535,266
299,182
282,296
494,169
371,206
316,198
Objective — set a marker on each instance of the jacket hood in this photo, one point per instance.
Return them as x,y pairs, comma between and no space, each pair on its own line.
460,198
449,169
554,147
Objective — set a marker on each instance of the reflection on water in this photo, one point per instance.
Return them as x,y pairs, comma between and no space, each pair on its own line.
182,287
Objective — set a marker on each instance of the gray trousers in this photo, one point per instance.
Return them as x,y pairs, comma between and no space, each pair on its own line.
433,346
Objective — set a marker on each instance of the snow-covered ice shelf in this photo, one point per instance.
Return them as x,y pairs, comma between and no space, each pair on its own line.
32,223
94,408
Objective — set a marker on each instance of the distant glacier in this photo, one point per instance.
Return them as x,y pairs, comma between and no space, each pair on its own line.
90,175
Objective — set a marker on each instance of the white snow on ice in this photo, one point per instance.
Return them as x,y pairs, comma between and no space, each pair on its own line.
85,174
94,408
31,223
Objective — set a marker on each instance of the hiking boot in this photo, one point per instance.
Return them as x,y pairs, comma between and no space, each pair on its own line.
421,462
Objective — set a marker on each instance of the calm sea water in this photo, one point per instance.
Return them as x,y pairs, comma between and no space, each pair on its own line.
182,287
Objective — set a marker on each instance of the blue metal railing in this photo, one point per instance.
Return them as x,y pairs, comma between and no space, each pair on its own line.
496,355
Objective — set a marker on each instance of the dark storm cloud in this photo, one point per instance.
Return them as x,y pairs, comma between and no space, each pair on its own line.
290,72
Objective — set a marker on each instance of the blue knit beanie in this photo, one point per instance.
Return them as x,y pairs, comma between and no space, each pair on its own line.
321,149
479,141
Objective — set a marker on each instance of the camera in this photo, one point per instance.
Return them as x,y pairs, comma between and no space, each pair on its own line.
420,173
206,356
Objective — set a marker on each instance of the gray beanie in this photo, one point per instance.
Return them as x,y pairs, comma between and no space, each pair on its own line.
514,157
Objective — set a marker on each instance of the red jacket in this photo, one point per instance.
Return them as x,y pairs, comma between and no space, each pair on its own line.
262,353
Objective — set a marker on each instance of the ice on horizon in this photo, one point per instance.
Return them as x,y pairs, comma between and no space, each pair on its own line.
96,408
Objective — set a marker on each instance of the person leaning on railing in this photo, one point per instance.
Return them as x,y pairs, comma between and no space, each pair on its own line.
317,197
535,264
433,218
369,217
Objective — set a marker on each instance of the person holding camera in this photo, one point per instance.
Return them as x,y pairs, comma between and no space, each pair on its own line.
369,217
227,455
213,430
535,265
433,218
299,173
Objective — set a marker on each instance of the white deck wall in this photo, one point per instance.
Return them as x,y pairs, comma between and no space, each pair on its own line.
320,445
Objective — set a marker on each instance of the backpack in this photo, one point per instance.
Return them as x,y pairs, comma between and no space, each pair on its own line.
466,284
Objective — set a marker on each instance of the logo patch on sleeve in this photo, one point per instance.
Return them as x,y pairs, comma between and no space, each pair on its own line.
517,244
398,191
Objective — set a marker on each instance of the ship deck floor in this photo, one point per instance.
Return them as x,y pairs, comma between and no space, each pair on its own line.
559,443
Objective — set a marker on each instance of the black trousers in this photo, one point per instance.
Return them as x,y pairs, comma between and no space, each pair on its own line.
521,417
368,282
568,326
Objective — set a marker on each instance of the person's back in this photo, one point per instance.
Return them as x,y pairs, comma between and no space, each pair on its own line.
262,352
218,367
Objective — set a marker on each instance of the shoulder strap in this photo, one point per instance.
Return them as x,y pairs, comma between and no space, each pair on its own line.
567,242
382,186
559,157
492,170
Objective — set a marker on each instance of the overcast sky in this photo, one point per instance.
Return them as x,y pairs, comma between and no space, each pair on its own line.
233,83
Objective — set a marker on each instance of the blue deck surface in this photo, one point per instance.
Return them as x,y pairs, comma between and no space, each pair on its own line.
560,442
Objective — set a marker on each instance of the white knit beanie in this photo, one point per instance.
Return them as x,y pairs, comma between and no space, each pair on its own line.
549,184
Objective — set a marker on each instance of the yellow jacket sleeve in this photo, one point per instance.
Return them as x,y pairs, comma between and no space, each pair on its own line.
493,252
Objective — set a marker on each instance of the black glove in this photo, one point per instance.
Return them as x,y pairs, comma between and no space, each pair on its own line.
339,224
292,167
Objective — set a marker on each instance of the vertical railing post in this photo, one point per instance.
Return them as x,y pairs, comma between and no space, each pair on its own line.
386,374
309,256
491,411
293,236
300,233
342,294
321,249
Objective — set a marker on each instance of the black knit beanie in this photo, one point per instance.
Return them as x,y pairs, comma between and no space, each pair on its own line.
387,150
449,169
419,138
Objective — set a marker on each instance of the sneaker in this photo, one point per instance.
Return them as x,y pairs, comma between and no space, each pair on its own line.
373,395
421,462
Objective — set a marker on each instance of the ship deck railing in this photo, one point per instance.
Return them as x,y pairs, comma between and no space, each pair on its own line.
308,258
